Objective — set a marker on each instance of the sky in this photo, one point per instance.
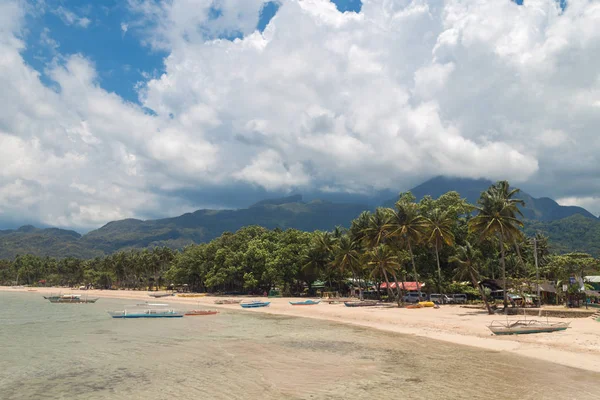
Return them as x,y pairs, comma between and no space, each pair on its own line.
152,108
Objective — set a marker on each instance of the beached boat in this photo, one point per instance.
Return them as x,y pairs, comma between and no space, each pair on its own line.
411,306
228,301
201,312
427,303
521,327
159,295
255,304
70,298
365,303
305,302
191,295
147,310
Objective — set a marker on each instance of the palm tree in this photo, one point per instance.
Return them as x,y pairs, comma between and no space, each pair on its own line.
346,257
468,260
384,262
359,226
407,227
498,217
376,232
439,232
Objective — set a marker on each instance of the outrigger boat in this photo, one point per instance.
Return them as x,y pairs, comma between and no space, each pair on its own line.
201,312
147,310
521,327
305,303
228,301
70,298
255,304
158,295
365,303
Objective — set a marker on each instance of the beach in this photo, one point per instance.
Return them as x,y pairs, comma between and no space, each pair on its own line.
577,347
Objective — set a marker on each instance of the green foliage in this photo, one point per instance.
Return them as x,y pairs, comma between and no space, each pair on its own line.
429,241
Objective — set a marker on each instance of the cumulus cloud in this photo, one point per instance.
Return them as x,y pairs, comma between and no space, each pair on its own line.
384,98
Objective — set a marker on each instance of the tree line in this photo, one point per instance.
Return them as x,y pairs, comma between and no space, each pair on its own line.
435,241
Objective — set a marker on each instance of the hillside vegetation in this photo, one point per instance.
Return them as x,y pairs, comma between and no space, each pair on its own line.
569,228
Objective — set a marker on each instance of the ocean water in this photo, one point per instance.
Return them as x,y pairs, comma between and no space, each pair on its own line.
76,351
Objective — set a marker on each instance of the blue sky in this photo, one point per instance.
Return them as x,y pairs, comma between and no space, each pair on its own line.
119,56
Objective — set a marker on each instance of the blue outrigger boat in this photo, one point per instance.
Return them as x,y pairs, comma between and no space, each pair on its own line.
147,310
255,304
305,303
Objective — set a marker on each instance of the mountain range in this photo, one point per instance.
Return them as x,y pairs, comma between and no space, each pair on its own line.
570,228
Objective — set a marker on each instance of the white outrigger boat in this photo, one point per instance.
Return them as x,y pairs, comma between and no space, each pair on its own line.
147,310
523,326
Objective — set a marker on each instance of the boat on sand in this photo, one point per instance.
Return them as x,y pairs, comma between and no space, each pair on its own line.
305,302
159,295
364,303
228,301
255,304
521,327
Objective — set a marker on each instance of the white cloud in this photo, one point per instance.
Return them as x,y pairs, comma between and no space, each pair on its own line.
68,17
124,27
352,102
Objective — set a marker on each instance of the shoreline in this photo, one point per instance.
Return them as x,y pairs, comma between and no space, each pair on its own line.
577,347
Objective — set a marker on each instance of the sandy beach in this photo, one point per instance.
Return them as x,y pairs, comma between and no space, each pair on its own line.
577,347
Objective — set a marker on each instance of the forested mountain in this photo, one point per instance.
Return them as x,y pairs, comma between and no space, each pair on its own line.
199,226
538,209
569,228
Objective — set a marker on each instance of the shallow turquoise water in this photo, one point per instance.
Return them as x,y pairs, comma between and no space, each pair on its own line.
76,351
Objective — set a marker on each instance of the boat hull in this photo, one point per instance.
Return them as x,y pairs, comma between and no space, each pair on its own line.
120,314
200,312
360,304
255,305
76,301
228,301
526,331
526,327
305,303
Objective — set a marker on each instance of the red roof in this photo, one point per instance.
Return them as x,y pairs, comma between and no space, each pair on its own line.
407,285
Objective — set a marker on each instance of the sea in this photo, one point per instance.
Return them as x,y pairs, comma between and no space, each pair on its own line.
76,351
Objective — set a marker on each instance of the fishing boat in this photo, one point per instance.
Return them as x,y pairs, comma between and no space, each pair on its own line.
201,312
365,303
70,298
159,295
255,304
147,310
191,295
521,327
228,301
305,302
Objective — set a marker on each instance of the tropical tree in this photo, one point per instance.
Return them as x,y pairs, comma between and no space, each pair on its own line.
407,227
439,232
498,216
384,263
468,261
346,257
